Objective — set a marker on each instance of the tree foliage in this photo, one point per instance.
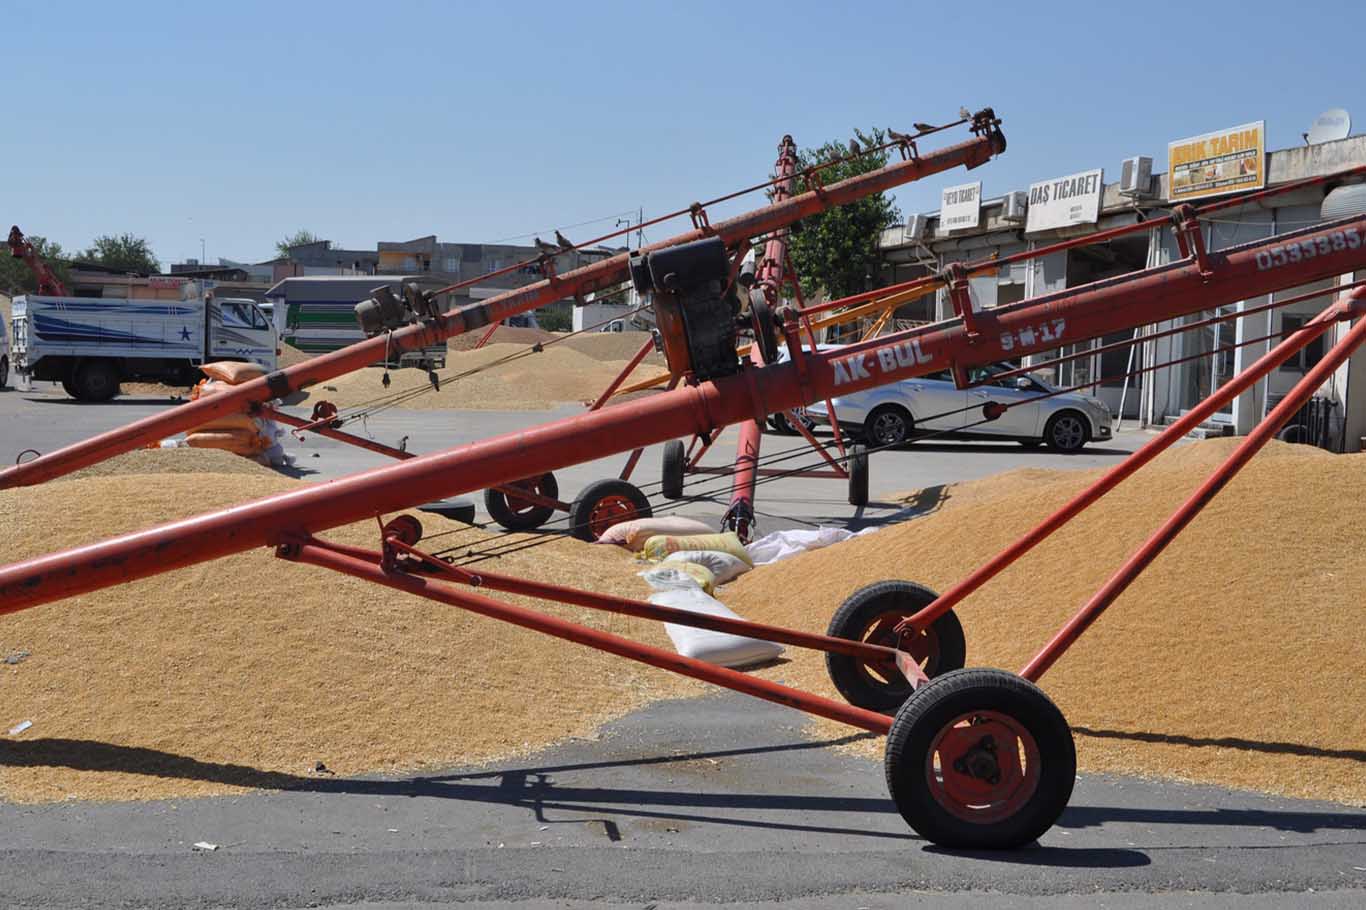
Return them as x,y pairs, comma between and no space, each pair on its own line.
124,252
836,251
298,238
15,275
555,319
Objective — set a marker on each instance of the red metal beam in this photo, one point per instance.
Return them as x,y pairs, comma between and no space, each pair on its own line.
596,276
768,276
1240,383
320,555
1183,516
1027,327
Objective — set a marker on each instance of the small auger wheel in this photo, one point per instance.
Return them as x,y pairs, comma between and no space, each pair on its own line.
870,614
516,514
604,503
980,759
675,465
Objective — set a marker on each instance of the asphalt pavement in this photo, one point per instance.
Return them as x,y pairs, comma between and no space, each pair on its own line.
684,804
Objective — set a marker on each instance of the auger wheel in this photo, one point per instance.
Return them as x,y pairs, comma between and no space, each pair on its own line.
980,759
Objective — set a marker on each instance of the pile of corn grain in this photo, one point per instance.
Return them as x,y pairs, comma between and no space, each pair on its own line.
535,381
1236,658
247,671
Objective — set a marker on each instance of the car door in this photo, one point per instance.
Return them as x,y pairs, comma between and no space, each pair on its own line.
1018,393
934,401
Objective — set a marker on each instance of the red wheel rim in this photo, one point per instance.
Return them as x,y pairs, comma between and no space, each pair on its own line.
983,767
923,646
608,511
516,504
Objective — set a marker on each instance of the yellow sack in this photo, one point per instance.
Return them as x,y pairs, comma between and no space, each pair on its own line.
233,372
661,545
239,442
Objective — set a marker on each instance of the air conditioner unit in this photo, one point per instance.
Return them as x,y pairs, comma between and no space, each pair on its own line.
1136,177
914,229
1014,206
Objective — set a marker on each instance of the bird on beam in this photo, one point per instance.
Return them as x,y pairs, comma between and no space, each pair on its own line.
564,242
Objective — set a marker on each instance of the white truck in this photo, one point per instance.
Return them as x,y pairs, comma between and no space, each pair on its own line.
92,344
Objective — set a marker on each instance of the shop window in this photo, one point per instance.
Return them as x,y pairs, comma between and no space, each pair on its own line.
1306,356
1114,363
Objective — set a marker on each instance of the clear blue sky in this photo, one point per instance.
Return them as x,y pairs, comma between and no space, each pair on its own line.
242,122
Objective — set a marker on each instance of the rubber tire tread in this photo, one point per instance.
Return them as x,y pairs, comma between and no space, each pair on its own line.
595,492
854,616
671,476
496,504
952,695
858,476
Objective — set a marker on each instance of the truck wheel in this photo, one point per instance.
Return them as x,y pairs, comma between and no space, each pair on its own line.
96,380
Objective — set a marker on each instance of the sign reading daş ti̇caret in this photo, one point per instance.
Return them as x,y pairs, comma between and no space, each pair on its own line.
1065,201
1229,161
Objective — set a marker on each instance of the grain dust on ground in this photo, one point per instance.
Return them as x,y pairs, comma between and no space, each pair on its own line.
1235,659
246,671
529,381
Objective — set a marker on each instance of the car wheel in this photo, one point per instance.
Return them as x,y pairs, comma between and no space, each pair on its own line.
888,425
1067,432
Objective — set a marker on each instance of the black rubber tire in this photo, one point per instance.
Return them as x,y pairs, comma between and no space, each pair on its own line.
581,512
4,372
671,474
500,510
96,381
937,704
879,426
859,613
69,388
858,475
1073,442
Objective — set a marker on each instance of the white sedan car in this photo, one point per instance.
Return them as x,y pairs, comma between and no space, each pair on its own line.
892,414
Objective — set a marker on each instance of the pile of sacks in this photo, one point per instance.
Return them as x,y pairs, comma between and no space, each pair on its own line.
240,433
691,561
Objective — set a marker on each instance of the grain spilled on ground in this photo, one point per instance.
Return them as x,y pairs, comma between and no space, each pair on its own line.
246,671
1235,659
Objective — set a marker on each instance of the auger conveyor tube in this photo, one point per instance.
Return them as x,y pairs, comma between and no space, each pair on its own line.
1071,315
600,275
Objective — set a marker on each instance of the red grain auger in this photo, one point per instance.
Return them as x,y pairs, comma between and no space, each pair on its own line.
975,758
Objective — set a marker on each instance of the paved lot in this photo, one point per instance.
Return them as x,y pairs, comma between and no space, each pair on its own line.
684,804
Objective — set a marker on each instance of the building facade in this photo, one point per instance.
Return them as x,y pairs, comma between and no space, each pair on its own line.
1002,227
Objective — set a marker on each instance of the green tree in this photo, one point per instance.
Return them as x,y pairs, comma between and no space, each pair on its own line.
836,251
297,238
555,319
15,275
124,252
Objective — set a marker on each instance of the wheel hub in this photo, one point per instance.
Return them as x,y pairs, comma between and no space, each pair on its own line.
988,767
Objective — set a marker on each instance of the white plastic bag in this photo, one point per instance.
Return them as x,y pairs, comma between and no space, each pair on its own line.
781,544
724,567
714,647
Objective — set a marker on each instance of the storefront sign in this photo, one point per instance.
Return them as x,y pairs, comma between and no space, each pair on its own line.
960,207
1229,161
1064,201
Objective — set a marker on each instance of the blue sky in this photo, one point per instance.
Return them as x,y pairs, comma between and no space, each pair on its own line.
238,123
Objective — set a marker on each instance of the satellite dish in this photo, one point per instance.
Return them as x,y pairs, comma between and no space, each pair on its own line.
1333,124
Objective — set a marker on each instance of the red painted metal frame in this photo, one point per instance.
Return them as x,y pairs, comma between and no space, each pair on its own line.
1089,311
1315,328
1183,516
321,554
596,276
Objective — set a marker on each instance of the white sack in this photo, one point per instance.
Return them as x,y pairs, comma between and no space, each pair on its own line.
781,544
713,647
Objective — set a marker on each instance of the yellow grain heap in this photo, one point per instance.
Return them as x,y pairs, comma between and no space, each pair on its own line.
1236,658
